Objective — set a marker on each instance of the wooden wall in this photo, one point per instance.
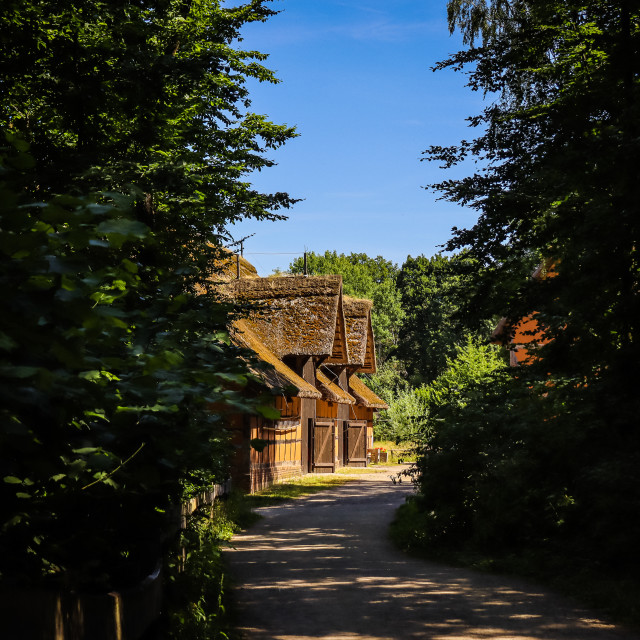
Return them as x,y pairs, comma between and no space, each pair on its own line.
281,456
307,370
288,441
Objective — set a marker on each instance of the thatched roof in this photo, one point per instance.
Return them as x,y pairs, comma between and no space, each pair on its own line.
296,315
227,267
331,391
364,395
362,351
281,376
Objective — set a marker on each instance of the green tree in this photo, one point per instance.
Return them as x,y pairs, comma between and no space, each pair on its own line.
474,361
143,95
549,458
433,294
364,277
128,135
558,146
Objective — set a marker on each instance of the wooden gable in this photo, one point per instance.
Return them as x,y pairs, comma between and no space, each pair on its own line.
370,365
340,352
362,355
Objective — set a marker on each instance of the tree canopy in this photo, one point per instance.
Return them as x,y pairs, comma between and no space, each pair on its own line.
127,139
559,147
546,458
148,96
434,292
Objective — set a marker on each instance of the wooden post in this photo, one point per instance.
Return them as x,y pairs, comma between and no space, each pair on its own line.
305,264
237,266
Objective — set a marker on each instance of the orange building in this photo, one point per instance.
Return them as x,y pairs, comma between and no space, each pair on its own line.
525,336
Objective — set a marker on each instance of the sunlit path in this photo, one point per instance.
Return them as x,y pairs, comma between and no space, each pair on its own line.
322,568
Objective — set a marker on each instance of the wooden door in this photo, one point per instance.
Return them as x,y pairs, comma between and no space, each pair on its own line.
323,447
357,443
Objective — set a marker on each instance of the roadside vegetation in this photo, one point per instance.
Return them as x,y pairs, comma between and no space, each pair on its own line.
197,586
295,488
615,595
199,603
126,139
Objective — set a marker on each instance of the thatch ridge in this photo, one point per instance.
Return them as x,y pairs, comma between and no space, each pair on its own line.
226,267
362,353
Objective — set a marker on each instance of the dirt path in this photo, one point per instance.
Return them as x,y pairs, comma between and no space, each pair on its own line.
322,568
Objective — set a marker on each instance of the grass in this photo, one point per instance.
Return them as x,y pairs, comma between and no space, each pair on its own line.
303,486
616,596
397,452
349,471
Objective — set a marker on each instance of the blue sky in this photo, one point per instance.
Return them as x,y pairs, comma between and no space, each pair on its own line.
356,82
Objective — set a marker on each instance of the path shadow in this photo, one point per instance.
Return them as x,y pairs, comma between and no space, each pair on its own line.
324,568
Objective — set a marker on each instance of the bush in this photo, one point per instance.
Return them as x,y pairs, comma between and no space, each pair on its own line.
196,602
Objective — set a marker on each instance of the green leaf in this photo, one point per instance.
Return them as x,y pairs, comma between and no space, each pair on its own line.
90,375
12,480
270,413
131,267
96,414
86,450
258,444
6,342
123,227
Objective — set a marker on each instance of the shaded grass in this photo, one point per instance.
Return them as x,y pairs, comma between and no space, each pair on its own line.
306,485
615,595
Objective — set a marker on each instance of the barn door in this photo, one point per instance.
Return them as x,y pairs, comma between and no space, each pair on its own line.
323,447
357,443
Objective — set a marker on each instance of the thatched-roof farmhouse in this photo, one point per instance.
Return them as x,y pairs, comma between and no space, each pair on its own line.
315,340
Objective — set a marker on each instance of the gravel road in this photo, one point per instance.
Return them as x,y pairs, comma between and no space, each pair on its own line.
322,568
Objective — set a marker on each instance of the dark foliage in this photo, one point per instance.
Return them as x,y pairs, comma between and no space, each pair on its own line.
547,459
128,133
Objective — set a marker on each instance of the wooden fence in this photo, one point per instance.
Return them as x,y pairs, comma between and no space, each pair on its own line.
206,498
